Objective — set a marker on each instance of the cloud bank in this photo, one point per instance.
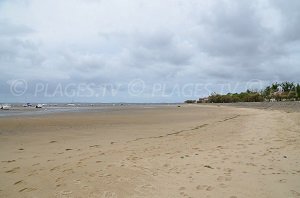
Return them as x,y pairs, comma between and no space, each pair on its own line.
171,43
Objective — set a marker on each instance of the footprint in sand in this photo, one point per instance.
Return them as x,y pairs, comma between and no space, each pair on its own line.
95,146
66,193
222,185
147,186
207,166
204,187
182,188
282,181
59,182
250,164
19,182
14,170
108,194
27,189
54,168
70,170
166,165
9,161
32,173
182,193
295,193
68,149
77,181
223,178
228,170
209,188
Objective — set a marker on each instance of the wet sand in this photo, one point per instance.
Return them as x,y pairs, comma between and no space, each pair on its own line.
191,151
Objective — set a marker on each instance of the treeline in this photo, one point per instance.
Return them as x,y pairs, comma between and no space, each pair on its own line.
282,91
248,96
275,92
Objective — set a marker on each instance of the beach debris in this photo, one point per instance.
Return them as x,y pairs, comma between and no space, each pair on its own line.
284,156
53,141
208,166
68,149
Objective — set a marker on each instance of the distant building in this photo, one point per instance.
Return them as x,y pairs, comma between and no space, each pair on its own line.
279,91
203,100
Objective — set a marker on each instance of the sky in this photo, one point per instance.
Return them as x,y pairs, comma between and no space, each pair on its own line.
144,51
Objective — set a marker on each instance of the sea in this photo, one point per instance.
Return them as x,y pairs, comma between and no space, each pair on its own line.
18,109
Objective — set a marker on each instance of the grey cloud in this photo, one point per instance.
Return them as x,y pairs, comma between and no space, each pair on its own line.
186,41
11,29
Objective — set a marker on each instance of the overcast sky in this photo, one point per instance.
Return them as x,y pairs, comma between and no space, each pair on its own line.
162,49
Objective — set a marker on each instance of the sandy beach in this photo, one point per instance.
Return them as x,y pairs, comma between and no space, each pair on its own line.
165,151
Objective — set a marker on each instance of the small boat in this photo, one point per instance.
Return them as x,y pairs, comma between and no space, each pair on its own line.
39,106
5,107
27,105
71,105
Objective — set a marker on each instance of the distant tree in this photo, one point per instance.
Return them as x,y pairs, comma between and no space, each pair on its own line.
292,95
255,98
297,90
274,86
290,90
267,92
190,101
287,86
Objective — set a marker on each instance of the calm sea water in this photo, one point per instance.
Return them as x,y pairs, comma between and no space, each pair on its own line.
19,110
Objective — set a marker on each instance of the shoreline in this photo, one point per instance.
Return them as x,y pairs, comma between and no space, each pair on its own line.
288,106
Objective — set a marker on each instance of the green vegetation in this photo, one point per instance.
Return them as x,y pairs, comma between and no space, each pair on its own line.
276,92
190,101
248,96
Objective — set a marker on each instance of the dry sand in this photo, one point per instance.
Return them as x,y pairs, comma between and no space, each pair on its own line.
191,151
